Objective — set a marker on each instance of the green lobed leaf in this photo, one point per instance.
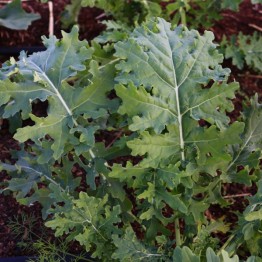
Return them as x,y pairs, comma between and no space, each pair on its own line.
151,187
158,148
13,16
41,196
250,46
70,14
248,152
211,255
184,254
33,182
17,96
211,146
129,248
26,174
244,49
226,258
254,258
26,181
156,194
128,13
89,220
254,210
45,76
162,75
231,50
231,4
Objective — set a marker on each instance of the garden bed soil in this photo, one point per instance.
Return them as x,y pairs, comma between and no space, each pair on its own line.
89,26
247,20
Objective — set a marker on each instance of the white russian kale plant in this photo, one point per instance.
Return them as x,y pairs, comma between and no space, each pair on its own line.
164,82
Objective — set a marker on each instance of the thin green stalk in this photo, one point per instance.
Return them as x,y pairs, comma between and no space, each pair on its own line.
178,236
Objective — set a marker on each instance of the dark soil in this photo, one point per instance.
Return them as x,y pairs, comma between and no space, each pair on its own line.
247,20
89,25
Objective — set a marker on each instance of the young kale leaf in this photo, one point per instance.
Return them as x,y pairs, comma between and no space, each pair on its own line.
163,75
46,76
